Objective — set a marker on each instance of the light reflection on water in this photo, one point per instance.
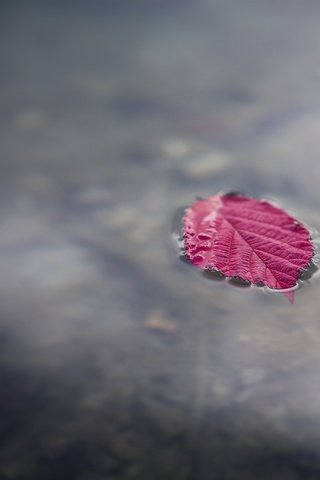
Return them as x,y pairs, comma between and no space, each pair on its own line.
116,361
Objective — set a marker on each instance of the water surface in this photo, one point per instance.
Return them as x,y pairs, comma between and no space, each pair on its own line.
118,361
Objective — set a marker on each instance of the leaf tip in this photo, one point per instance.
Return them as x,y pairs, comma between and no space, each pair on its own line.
290,296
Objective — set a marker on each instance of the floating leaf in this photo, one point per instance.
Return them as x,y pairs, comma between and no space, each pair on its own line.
247,238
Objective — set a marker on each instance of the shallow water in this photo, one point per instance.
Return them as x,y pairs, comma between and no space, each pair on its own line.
117,360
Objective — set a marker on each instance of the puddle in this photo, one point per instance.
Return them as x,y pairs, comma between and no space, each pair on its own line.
117,360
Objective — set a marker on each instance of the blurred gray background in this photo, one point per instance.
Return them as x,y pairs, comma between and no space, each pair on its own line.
118,361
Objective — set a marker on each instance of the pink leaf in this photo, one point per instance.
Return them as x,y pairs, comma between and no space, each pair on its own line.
247,238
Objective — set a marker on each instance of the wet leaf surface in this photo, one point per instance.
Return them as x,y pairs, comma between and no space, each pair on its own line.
247,239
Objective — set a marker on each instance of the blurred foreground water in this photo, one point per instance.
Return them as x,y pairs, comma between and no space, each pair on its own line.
117,361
